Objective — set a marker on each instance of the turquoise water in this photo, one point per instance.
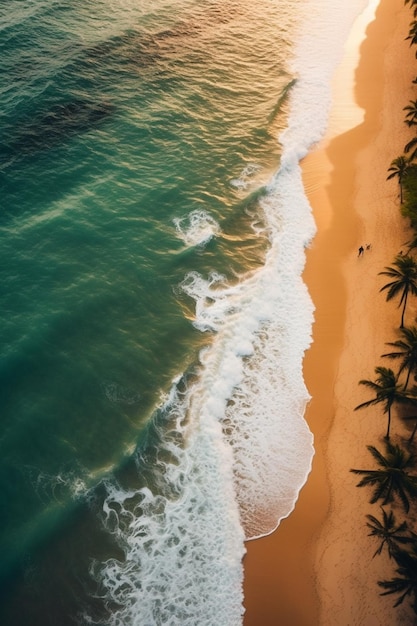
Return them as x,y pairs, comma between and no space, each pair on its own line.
145,256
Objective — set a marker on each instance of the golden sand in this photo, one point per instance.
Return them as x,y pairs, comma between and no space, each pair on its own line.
317,568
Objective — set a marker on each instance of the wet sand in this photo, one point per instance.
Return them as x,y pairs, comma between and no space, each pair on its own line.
317,568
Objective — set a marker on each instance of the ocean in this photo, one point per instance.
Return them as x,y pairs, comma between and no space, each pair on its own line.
153,230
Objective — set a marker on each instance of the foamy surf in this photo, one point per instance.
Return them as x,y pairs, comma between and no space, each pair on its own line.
246,178
235,446
197,228
180,534
238,446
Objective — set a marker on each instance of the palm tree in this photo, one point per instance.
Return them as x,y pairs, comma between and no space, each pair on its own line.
404,273
388,532
412,33
413,3
406,581
392,480
406,350
411,147
399,167
412,244
388,391
411,116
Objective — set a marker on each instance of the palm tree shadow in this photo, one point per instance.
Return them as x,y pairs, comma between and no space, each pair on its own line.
341,237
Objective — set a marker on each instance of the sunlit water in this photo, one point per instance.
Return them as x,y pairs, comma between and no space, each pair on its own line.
153,226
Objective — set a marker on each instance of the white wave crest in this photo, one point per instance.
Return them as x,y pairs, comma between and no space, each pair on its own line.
252,372
246,177
181,536
245,449
319,50
197,228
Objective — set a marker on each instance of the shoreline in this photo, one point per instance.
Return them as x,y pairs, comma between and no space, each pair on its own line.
317,567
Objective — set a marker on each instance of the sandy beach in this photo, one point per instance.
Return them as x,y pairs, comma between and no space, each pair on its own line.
317,568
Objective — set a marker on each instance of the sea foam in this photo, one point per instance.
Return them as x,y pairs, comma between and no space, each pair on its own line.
197,228
181,536
234,447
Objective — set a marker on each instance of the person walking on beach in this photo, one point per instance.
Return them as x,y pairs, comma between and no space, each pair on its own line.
360,252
